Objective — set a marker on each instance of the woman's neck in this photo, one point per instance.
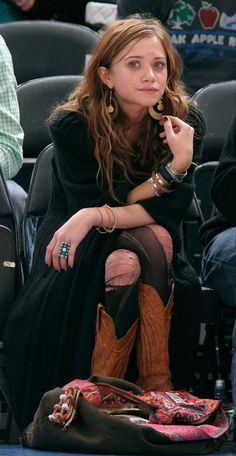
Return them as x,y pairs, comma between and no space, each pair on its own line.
133,116
132,132
132,128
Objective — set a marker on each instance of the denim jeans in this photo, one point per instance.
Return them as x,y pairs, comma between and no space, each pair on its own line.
219,265
219,272
233,366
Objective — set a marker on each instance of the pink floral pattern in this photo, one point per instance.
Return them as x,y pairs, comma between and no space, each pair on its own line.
177,414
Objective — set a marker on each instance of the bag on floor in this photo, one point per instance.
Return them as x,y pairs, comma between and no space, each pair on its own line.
108,415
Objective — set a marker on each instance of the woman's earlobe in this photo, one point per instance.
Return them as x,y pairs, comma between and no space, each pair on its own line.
104,75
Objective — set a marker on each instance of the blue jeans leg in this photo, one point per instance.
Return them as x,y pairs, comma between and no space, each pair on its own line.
219,265
233,366
219,272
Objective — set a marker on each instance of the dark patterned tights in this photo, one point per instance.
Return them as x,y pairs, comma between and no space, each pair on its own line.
141,253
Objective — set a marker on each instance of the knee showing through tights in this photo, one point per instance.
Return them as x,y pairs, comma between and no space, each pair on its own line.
122,268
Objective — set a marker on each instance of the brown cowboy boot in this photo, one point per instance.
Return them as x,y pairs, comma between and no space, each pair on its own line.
152,353
111,355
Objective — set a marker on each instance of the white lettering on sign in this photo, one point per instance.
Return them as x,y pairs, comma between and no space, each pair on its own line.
209,39
232,41
178,39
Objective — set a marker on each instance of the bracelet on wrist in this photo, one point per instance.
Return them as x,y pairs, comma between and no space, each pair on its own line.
159,180
166,175
177,177
159,185
112,220
154,186
101,217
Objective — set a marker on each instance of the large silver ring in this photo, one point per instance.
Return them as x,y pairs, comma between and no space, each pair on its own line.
64,250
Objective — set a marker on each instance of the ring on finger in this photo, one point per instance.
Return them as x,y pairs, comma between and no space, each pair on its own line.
64,250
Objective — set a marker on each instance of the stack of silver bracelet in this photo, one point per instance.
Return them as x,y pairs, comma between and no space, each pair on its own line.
177,177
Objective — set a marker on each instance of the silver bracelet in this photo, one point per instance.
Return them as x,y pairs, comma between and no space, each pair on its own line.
177,177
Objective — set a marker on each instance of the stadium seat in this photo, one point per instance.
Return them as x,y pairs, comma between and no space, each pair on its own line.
217,103
11,278
11,281
36,99
217,318
47,48
38,196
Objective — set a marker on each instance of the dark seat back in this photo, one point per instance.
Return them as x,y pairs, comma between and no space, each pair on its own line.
203,177
40,185
11,280
216,317
38,196
10,254
47,48
36,99
217,102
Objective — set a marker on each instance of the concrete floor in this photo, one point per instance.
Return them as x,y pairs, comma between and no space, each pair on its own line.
15,450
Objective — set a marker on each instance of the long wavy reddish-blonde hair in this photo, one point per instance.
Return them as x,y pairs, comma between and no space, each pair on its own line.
91,98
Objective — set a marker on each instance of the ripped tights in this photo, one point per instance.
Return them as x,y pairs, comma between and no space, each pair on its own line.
143,253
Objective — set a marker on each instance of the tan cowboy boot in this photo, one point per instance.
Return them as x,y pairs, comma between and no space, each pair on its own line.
111,355
152,352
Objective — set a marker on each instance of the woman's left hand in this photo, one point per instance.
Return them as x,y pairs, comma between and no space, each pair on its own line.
71,234
179,137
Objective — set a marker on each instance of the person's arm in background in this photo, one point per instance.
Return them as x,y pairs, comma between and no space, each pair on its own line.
25,5
47,9
127,7
223,188
157,8
11,133
37,9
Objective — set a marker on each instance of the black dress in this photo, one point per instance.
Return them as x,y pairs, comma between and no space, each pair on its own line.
50,333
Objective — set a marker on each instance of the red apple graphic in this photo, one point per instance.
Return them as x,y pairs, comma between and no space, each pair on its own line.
208,15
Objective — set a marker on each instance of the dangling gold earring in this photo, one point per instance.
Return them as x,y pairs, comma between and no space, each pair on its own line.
160,106
110,108
156,114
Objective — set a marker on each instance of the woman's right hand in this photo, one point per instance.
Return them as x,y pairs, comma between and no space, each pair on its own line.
71,233
179,137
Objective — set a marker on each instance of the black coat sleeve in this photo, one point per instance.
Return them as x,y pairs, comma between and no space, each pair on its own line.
169,209
223,188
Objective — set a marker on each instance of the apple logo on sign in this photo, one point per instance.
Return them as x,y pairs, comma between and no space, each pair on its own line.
208,15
